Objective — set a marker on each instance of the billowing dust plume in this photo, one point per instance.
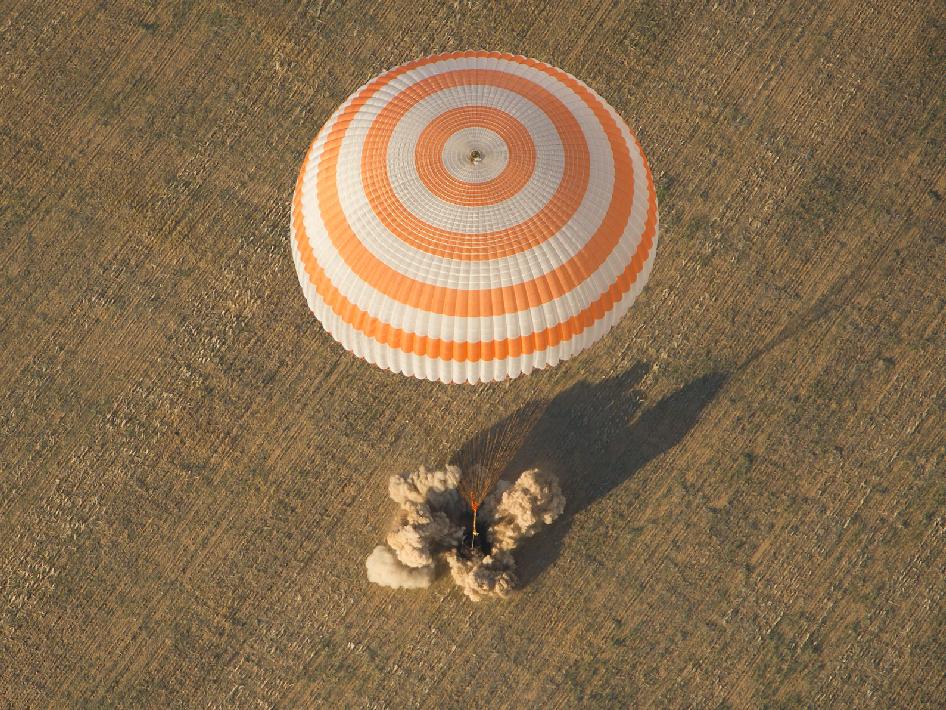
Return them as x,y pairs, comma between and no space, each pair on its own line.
433,531
385,569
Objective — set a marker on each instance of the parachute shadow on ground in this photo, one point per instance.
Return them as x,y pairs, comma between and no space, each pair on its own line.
593,439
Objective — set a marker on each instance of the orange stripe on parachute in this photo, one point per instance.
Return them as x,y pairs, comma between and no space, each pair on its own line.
428,157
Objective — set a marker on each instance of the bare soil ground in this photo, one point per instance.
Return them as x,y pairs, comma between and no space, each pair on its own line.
193,472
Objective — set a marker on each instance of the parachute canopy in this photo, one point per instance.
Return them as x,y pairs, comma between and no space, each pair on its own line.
471,216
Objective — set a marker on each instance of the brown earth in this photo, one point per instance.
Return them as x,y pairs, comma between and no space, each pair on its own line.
193,472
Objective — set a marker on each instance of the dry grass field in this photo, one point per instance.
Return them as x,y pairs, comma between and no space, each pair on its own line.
192,472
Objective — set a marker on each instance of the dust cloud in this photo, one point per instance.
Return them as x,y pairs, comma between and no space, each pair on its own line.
433,531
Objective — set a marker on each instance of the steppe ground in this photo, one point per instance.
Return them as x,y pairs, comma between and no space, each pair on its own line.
193,472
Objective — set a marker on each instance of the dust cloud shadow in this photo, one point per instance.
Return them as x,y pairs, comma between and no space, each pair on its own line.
583,436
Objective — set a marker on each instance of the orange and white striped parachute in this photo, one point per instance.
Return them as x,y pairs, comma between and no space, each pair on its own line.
471,216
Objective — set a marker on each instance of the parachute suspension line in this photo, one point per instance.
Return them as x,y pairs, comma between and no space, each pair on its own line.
484,458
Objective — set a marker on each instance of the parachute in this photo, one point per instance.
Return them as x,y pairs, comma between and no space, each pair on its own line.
472,216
